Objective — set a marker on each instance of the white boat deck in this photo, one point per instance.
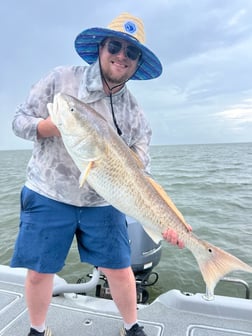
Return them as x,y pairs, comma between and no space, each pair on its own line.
171,314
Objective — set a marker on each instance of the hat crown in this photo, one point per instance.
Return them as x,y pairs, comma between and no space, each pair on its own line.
129,24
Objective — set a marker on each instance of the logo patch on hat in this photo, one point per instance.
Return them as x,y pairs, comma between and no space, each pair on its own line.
130,27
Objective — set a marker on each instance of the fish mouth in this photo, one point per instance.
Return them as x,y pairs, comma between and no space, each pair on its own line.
58,99
62,101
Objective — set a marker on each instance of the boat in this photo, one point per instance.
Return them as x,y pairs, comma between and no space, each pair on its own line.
86,308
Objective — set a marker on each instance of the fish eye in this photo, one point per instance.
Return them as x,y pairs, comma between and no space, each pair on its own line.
72,109
210,250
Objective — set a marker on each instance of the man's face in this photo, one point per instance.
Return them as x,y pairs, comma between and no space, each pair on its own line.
119,60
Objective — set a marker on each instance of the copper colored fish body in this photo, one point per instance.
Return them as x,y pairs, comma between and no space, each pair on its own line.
116,174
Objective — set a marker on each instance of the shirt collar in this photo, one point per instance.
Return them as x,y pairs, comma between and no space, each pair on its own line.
91,87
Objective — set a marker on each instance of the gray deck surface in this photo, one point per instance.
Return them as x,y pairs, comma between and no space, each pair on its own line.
75,315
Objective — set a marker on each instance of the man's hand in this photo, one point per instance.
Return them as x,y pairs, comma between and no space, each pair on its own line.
171,236
46,128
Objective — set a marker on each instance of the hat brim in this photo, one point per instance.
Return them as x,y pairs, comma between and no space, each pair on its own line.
87,46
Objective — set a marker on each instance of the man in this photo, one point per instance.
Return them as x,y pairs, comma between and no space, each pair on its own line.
53,207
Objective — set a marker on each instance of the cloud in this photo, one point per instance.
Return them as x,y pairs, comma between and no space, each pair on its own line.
239,114
204,93
237,17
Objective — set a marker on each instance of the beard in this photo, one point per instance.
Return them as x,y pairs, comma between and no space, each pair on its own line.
114,79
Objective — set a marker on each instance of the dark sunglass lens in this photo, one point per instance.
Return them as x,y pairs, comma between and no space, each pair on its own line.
114,47
133,53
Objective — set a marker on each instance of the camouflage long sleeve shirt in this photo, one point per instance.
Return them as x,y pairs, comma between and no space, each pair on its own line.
51,171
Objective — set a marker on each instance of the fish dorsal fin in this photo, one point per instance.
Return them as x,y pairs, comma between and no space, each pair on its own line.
167,199
137,159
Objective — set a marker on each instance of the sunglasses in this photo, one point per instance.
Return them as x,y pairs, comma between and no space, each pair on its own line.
114,47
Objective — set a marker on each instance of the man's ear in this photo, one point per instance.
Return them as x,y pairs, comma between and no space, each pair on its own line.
102,44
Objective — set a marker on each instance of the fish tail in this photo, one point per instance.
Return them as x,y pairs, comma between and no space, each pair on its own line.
215,263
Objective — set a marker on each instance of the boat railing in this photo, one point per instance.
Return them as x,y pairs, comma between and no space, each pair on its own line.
240,282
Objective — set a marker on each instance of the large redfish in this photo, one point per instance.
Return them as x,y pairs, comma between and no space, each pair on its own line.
115,173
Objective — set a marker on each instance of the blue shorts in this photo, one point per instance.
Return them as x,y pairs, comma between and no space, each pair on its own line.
47,229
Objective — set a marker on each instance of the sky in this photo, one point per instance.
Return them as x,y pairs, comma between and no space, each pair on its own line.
204,94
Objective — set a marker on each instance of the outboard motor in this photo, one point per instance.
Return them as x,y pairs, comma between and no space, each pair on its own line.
145,255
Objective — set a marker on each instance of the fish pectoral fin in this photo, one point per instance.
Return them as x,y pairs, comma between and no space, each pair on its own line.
167,199
85,173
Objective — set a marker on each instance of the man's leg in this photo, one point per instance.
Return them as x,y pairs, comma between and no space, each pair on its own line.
123,290
38,289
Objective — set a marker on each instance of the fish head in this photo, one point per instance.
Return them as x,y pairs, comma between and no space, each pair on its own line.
63,113
78,124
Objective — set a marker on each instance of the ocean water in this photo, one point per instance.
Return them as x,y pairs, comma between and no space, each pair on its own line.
210,184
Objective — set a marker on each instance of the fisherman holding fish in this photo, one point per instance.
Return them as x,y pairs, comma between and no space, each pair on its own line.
54,208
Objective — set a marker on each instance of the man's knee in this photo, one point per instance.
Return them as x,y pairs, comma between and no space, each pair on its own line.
119,274
35,278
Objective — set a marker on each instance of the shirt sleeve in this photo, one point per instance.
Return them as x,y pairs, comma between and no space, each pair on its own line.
141,145
34,109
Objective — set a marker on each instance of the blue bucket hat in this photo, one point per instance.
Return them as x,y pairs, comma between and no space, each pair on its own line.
128,28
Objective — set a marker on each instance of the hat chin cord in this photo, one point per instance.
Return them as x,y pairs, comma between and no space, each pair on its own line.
111,93
111,100
111,103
